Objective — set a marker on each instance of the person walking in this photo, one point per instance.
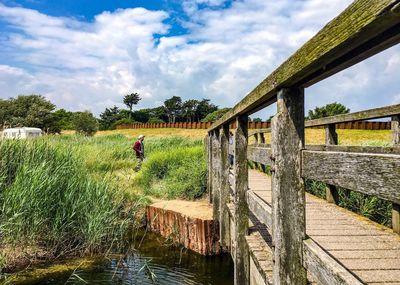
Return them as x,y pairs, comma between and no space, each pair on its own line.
138,147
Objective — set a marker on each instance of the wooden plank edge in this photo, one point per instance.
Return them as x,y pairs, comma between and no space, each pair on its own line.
324,268
260,209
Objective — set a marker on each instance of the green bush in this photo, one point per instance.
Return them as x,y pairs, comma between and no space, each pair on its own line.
176,172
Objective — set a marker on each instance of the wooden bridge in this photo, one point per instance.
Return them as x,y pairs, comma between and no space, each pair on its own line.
275,232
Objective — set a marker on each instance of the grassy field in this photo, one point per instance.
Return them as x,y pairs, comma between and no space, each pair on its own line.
73,195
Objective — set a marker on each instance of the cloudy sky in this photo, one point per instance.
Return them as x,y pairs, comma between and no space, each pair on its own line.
85,55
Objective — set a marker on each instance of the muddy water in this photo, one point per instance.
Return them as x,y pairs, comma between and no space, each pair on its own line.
153,262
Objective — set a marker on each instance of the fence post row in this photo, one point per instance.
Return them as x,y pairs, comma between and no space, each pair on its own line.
396,141
241,219
225,236
331,138
288,196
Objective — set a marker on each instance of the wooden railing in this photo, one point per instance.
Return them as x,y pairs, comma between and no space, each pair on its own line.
362,30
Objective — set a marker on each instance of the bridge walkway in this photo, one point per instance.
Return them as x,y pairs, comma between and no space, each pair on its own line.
371,252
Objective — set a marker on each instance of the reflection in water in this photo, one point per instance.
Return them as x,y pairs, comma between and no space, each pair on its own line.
169,265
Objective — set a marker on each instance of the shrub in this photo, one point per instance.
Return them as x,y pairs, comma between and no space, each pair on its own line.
85,123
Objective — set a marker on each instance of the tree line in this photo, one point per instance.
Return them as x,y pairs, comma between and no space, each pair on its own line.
37,111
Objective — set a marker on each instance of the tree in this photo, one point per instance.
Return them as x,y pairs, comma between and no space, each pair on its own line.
85,123
109,117
189,109
173,107
212,117
327,111
130,100
204,108
257,120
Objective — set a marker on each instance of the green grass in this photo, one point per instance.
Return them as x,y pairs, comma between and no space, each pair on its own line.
49,200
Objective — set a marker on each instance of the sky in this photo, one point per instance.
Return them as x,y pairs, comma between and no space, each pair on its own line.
86,55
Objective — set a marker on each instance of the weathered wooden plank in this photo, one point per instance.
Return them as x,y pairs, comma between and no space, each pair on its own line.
259,154
365,149
372,174
363,29
288,196
372,263
216,163
210,167
261,255
381,276
224,219
241,272
355,254
331,138
324,268
259,131
261,210
377,113
396,141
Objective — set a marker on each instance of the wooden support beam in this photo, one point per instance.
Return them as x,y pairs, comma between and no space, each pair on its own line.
210,167
224,226
241,272
262,138
216,164
396,142
288,195
331,138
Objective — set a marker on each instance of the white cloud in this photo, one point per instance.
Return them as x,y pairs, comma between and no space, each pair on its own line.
225,54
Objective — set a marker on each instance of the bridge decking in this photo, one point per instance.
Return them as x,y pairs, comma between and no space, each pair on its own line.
370,251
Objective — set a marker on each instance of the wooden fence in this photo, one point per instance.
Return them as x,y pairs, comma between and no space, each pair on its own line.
358,125
362,30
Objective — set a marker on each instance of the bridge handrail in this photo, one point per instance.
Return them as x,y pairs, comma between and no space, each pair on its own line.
341,43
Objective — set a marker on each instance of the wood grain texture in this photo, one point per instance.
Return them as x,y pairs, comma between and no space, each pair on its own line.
372,174
340,44
260,209
216,182
209,167
259,154
241,271
288,196
225,190
324,268
376,113
364,149
331,138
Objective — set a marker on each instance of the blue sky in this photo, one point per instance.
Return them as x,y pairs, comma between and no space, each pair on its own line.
85,55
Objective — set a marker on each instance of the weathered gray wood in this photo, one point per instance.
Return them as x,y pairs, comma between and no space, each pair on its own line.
377,113
259,154
288,195
262,138
396,130
210,167
224,225
372,174
363,149
396,218
324,268
259,131
241,271
261,256
340,44
331,138
261,210
216,164
396,142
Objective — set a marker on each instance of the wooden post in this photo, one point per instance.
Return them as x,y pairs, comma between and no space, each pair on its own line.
241,271
224,226
210,167
396,141
262,138
216,158
288,196
331,138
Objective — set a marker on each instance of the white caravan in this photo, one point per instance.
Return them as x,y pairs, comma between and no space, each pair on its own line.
21,133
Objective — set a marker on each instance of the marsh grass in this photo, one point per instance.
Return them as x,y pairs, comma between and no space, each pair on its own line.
48,199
